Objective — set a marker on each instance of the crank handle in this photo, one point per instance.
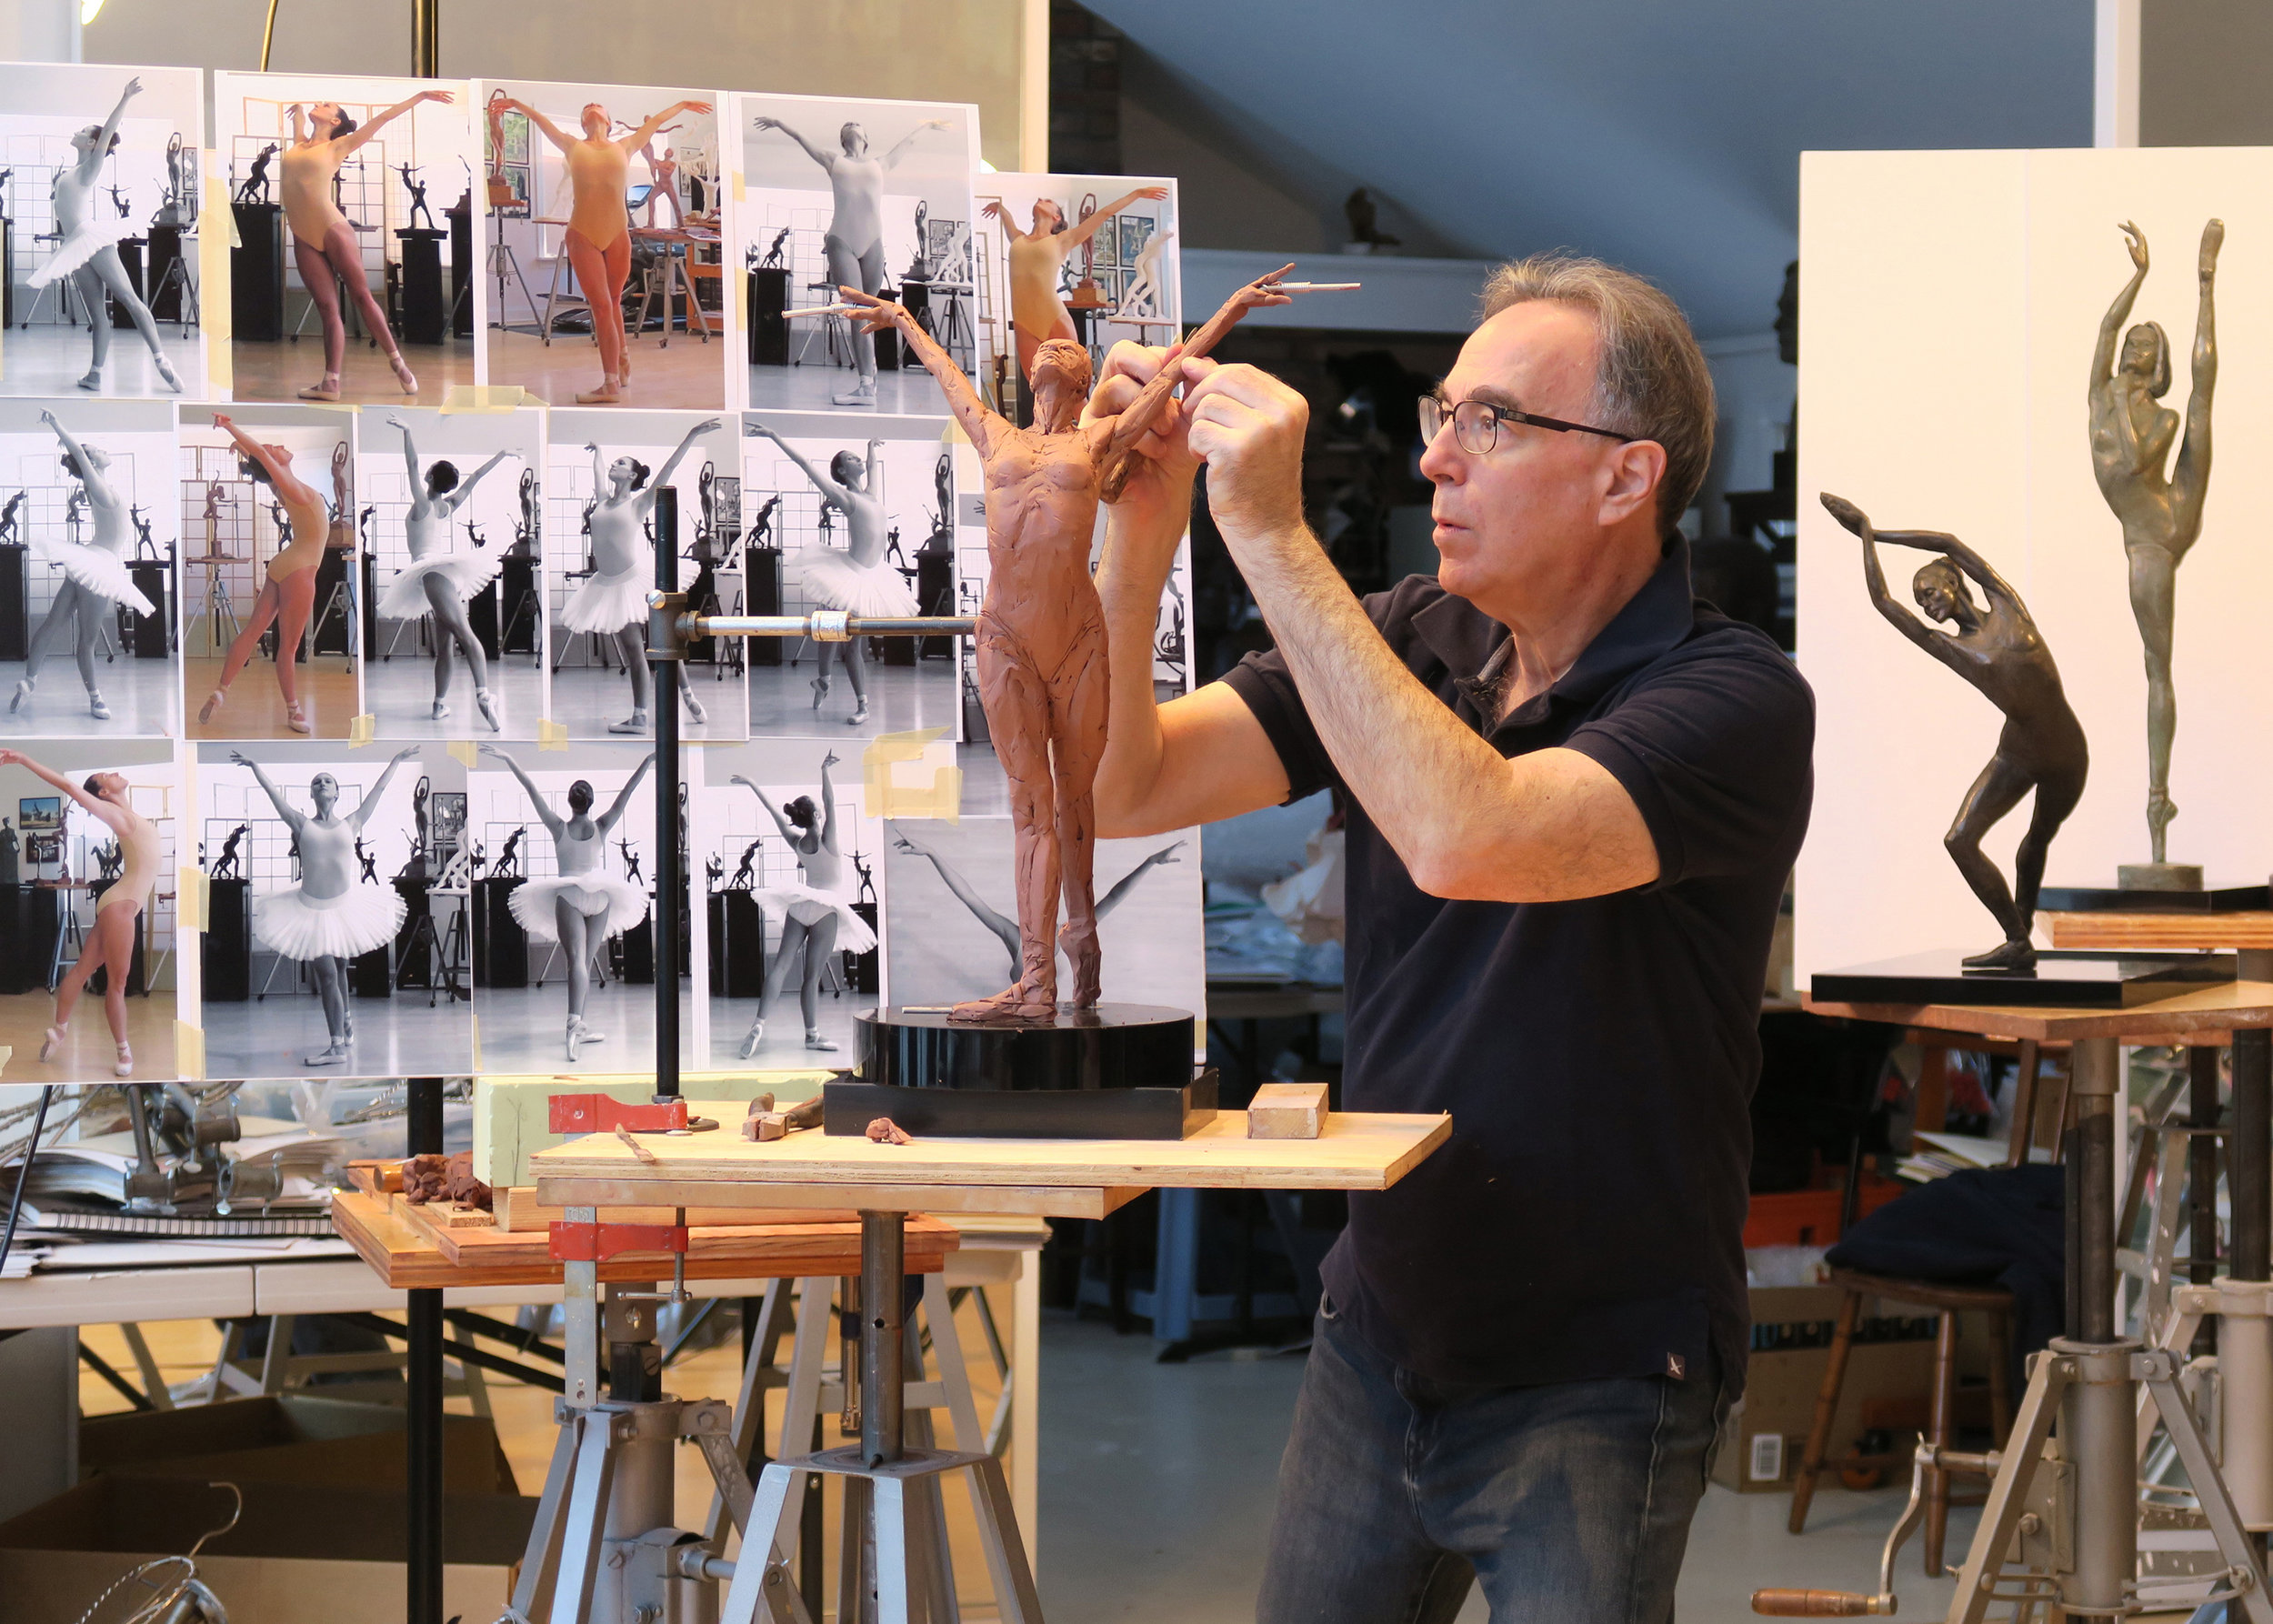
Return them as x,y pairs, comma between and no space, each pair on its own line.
1820,1604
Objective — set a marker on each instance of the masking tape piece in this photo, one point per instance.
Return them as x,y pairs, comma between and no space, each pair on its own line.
931,787
484,398
900,747
193,900
189,1051
4,1052
473,1017
737,186
551,735
361,730
462,752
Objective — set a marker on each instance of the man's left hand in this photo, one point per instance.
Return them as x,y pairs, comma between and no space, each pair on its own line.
1249,428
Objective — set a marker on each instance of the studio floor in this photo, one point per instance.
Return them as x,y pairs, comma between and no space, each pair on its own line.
255,706
586,699
524,1028
688,375
140,693
89,1053
47,358
813,388
402,1036
279,369
784,1042
900,698
398,693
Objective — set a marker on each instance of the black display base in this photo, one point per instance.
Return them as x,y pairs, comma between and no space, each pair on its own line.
2062,980
2123,899
1118,1071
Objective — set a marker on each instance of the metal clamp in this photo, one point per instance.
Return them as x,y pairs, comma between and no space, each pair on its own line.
832,626
598,1113
596,1242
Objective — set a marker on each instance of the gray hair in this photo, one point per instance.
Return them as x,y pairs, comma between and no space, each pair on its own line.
1650,379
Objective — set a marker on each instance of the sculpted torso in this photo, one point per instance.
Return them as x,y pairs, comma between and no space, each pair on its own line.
2131,436
1041,514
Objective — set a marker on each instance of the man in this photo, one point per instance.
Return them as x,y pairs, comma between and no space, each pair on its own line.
1573,798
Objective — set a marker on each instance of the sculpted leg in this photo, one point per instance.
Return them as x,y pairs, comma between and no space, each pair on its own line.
2154,605
1077,743
1995,792
2055,798
1018,720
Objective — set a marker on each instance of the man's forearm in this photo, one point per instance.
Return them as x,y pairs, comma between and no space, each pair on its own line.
1129,584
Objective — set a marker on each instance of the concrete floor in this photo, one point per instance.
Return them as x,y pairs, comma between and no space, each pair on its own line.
401,1035
524,1029
141,696
813,388
784,1042
399,693
50,359
587,698
900,698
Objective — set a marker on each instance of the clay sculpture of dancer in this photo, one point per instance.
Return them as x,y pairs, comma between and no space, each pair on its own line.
598,238
331,915
109,943
815,919
96,579
88,251
288,594
1147,293
2000,652
663,178
1038,263
856,579
323,244
1041,629
254,188
2131,435
613,600
585,904
855,242
442,580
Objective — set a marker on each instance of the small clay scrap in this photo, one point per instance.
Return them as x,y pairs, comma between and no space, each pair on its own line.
764,1124
637,1150
444,1178
882,1130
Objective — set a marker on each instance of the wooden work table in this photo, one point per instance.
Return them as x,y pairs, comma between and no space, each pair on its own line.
2194,1018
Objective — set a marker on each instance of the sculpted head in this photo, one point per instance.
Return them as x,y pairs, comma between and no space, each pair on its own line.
1062,374
1940,591
2147,356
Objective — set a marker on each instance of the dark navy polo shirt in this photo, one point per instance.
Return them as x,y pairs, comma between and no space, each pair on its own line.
1586,1218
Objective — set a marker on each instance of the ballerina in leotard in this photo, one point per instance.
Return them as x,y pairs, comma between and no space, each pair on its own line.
88,252
816,919
440,579
613,600
585,904
95,577
857,578
323,246
110,940
598,238
856,231
288,594
331,915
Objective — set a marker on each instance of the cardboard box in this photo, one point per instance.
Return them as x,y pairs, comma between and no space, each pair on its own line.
1761,1443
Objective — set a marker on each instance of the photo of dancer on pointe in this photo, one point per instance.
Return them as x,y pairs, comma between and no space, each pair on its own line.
288,595
88,251
597,240
857,579
331,915
1037,265
815,919
855,242
613,600
109,943
95,579
442,577
323,244
584,905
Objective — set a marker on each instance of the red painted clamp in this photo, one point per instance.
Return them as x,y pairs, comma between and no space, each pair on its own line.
598,1113
596,1243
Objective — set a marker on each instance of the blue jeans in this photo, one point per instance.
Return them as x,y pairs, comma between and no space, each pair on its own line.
1570,1502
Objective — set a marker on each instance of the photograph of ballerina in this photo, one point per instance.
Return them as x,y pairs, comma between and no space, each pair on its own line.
272,595
852,514
99,198
87,488
841,191
88,985
604,469
449,511
339,934
621,182
792,880
330,176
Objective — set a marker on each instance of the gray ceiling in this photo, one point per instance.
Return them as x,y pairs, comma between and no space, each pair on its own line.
1663,134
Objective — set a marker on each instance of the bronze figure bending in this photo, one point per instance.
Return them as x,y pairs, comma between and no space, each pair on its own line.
2131,433
2000,652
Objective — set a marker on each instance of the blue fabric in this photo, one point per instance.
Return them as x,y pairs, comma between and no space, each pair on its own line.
1568,1503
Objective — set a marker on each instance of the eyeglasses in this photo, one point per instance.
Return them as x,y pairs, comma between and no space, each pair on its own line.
1476,424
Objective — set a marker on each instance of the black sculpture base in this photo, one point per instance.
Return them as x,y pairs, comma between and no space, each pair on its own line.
1121,1071
2061,980
2135,899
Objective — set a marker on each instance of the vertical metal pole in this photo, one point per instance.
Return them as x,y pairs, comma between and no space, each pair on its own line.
2250,1148
425,39
2091,1192
883,1262
2202,1113
423,1491
2245,1353
2098,1421
663,669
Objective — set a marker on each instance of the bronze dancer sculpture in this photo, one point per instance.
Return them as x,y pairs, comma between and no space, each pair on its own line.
2000,652
1041,649
2131,433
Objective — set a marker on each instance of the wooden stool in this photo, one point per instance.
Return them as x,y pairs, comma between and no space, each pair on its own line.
1949,1301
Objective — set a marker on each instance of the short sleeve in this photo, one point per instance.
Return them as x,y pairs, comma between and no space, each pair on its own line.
1715,746
1263,681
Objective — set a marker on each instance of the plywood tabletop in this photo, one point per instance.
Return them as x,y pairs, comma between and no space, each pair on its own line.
1358,1151
2161,932
2189,1017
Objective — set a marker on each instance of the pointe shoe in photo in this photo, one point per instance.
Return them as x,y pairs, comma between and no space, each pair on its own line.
487,703
94,706
610,391
694,709
753,1037
214,701
860,711
813,1039
23,692
402,373
173,382
125,1065
820,691
865,393
52,1040
326,390
296,719
635,723
334,1055
441,710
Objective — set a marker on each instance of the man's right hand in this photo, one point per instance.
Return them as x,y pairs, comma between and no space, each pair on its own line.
1156,506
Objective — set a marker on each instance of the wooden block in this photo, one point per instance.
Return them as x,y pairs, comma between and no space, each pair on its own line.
617,1197
1287,1111
762,1126
518,1212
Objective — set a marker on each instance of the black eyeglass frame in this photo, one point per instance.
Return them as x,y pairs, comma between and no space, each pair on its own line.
1500,413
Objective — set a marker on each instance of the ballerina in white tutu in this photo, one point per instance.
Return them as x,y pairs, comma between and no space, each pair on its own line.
585,904
815,919
856,579
88,252
613,600
109,943
443,579
95,577
331,915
